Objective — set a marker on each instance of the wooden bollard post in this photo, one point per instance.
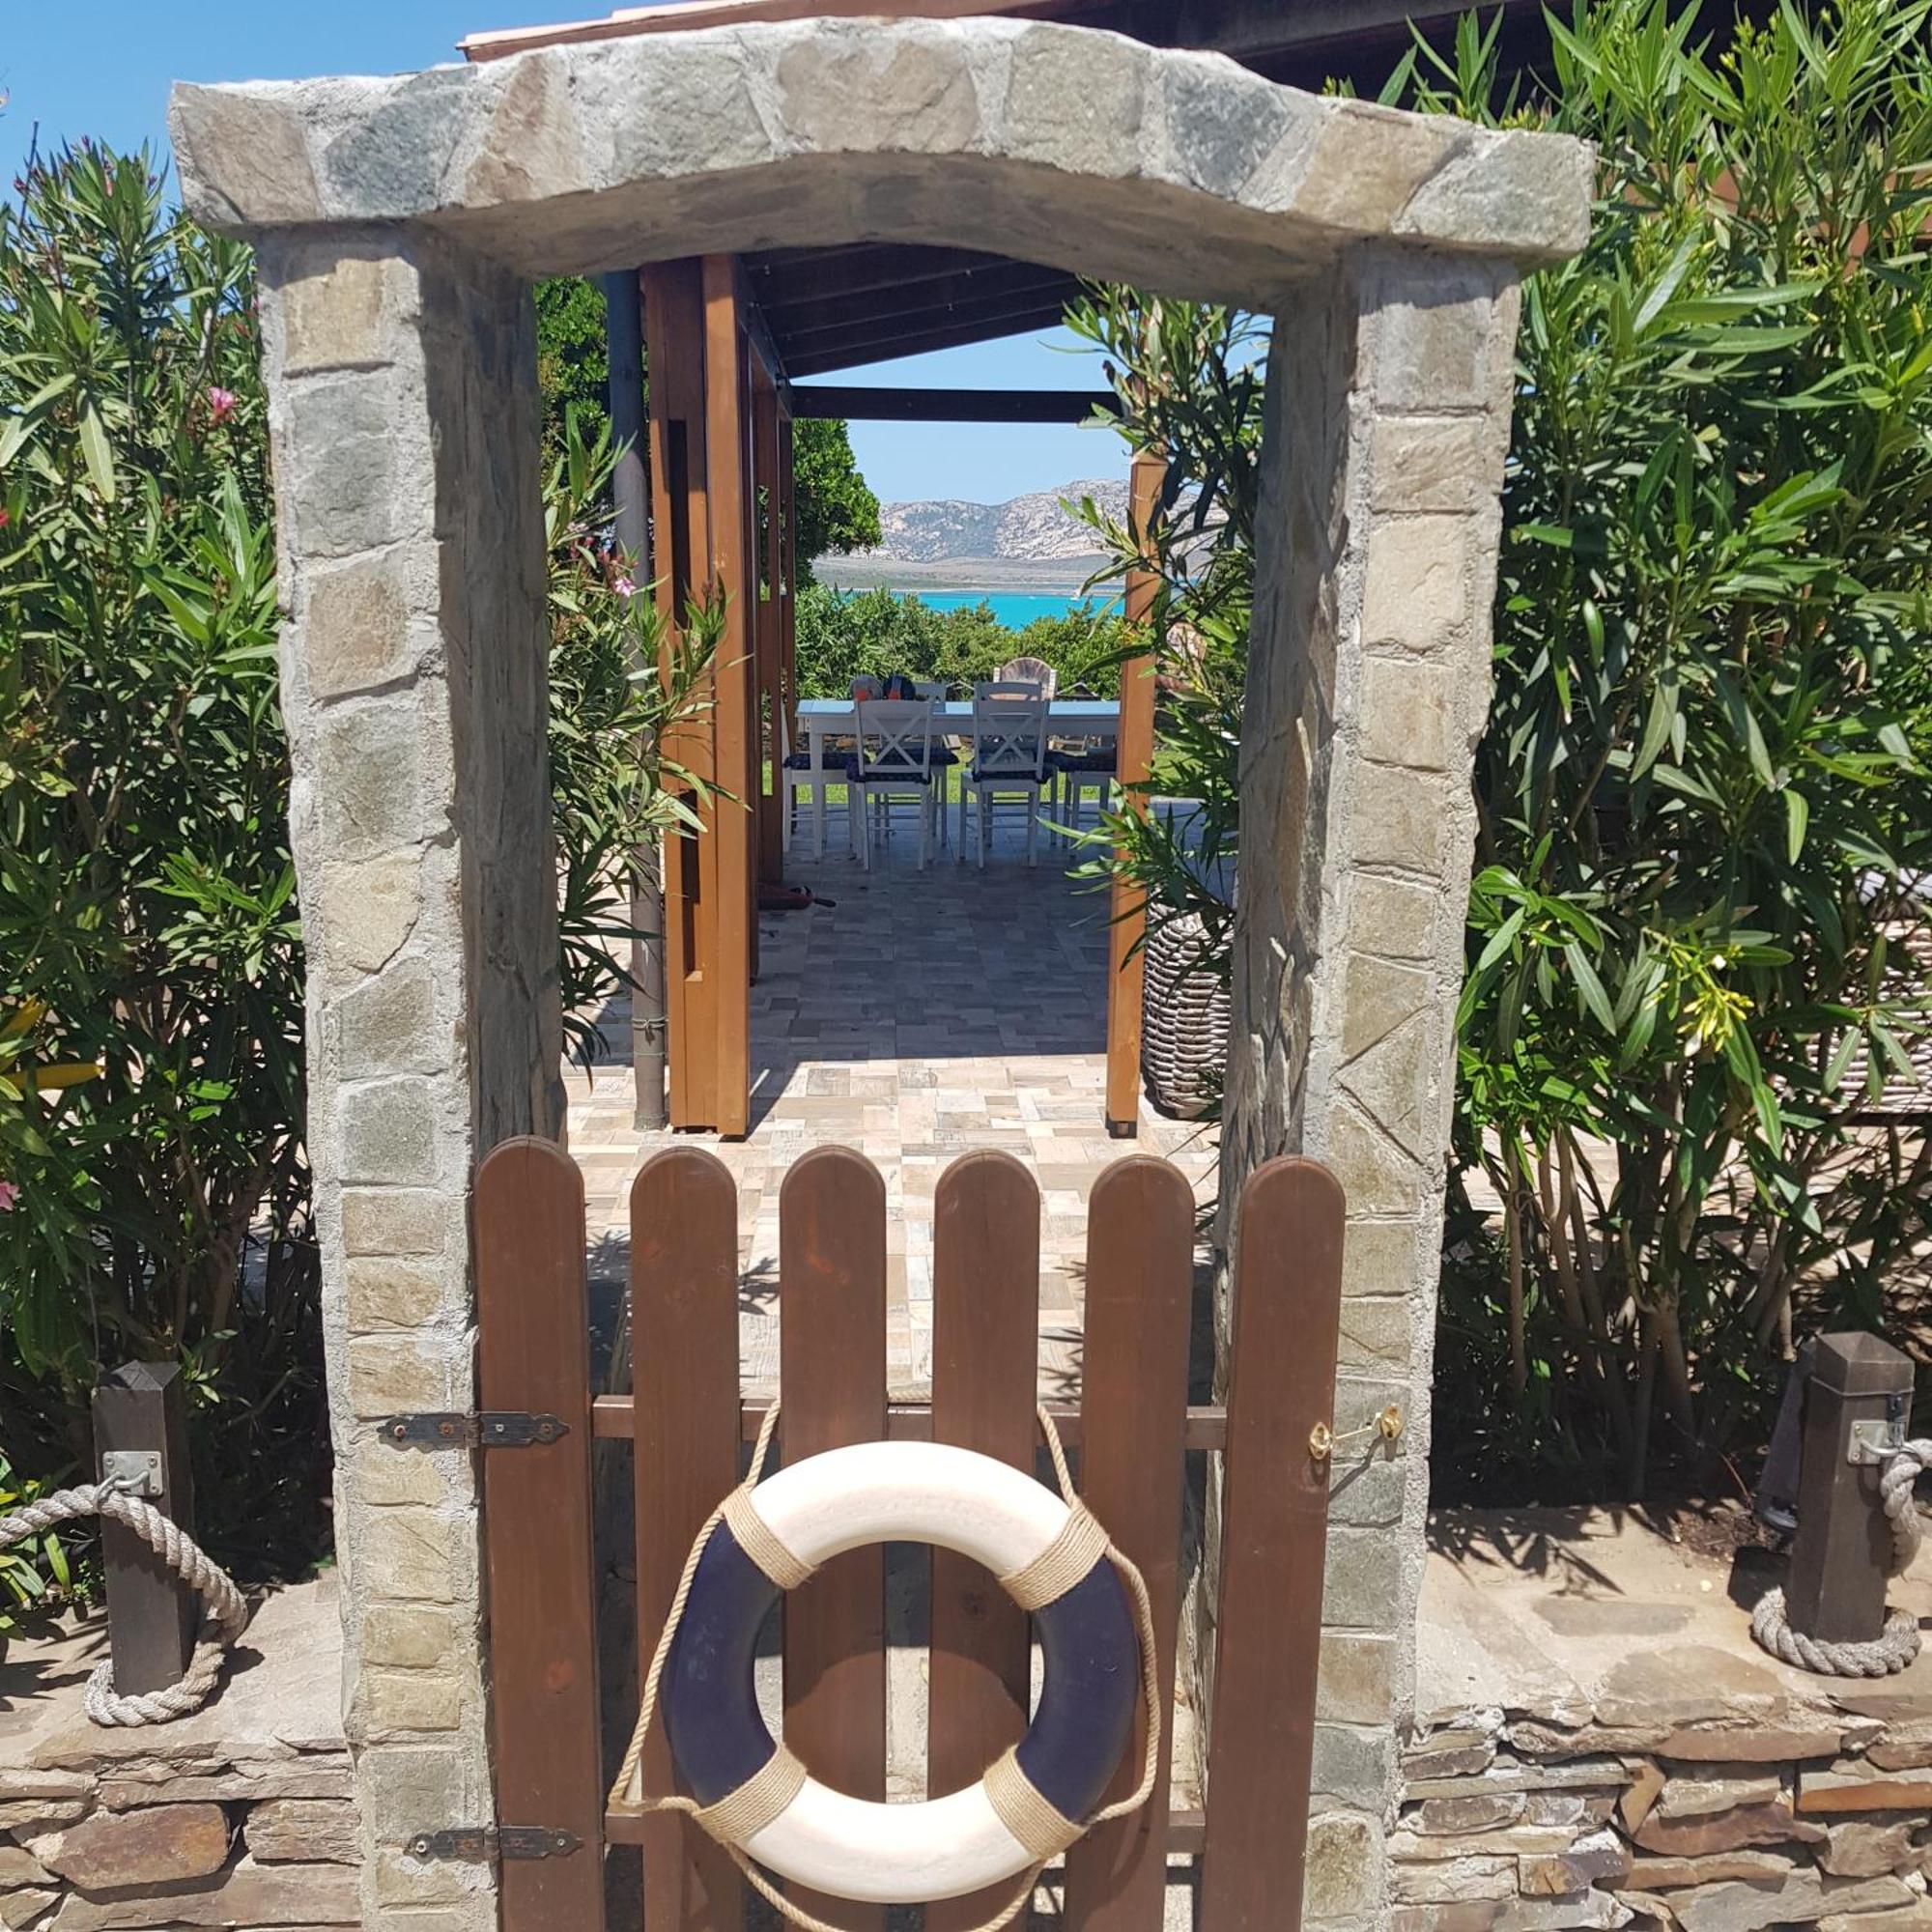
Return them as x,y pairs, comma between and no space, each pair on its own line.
1841,1556
152,1615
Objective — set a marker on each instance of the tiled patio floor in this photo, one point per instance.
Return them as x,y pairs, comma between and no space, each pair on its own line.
916,1017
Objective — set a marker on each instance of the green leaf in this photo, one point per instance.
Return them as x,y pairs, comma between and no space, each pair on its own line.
1589,986
1797,818
98,451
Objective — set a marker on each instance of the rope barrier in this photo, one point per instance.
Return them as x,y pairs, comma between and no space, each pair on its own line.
1896,1646
227,1612
1036,1826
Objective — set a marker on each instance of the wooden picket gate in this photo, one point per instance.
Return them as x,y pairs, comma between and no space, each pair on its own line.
1130,1431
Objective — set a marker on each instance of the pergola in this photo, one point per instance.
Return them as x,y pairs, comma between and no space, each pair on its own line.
726,334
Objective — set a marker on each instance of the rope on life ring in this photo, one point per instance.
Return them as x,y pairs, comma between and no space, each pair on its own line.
1059,1581
1896,1645
227,1611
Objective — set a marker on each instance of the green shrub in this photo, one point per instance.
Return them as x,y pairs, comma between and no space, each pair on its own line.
847,634
1704,791
154,1196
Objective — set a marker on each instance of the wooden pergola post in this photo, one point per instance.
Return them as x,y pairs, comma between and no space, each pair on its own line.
1134,761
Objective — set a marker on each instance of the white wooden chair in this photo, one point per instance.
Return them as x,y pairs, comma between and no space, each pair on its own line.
1008,759
802,772
892,765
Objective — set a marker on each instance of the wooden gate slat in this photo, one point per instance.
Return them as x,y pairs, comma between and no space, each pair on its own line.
1286,1320
532,1308
1133,1419
831,1369
684,1323
986,1369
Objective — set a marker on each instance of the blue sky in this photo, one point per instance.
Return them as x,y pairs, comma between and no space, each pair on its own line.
104,70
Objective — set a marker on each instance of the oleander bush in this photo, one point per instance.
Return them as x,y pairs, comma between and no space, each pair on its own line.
155,1194
1698,938
846,634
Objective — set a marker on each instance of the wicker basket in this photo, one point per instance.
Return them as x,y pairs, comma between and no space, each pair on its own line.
1185,1018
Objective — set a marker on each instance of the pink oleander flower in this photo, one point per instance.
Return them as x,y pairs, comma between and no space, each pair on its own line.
4,519
9,1192
220,402
625,587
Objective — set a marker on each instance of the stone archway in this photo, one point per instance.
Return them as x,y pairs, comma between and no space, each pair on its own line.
399,224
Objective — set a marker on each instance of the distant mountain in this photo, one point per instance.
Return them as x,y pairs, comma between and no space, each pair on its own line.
1033,526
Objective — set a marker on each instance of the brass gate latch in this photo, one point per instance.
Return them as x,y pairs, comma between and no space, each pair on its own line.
493,1429
487,1844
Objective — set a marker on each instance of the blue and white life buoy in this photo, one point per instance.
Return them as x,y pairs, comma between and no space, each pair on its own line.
1052,1557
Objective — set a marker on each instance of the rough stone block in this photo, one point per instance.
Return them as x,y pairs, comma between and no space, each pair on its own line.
1343,1873
1726,1831
303,1830
1377,999
244,1894
340,468
1451,464
409,1638
1353,1765
1858,1850
385,1221
1649,1873
1801,1898
368,909
384,1293
1379,1259
1375,1334
27,1906
1434,346
1356,1684
1477,1811
381,1477
247,152
403,1881
1409,716
412,1700
387,1132
1699,1797
388,1024
419,1556
356,627
353,313
156,1845
1076,107
397,1376
1599,1859
866,92
1398,819
369,778
1394,919
1376,1175
1415,593
1864,1788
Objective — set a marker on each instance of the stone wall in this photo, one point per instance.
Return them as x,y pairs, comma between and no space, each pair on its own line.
1510,1823
402,382
241,1815
1389,413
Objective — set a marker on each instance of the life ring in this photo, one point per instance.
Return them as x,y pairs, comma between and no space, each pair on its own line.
1052,1559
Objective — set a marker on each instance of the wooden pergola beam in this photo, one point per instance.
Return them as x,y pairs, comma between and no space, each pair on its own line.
885,345
795,320
781,277
878,329
838,401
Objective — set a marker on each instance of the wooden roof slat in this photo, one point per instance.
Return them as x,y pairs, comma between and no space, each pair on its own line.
910,342
872,331
792,316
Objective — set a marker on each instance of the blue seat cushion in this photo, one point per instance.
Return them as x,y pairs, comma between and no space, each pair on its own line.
1103,764
885,774
997,776
799,761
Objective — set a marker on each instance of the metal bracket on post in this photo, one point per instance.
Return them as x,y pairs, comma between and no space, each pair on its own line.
488,1844
136,1472
1881,1440
493,1429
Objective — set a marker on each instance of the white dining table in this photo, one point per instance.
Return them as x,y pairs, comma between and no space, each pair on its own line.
820,719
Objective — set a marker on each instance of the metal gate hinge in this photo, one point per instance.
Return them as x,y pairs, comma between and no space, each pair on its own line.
493,1428
487,1844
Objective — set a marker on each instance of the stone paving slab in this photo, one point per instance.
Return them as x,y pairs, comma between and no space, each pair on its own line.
916,1016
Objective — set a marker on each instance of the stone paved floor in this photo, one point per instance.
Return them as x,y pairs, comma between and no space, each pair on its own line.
916,1017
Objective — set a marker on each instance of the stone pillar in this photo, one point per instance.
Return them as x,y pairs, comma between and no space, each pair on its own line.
1389,395
404,434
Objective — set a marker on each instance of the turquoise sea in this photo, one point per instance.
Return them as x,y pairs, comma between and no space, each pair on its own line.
1014,609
